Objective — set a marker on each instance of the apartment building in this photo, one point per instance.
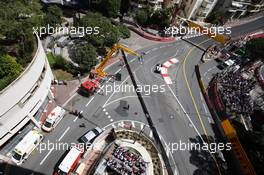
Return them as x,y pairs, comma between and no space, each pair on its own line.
240,8
235,9
22,99
197,10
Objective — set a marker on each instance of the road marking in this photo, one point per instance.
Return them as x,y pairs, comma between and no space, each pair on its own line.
114,92
190,120
121,98
89,101
150,134
141,126
209,120
201,96
193,100
117,71
75,119
205,109
113,126
111,120
109,116
121,124
167,151
134,59
63,134
63,105
122,84
133,124
43,160
106,113
189,89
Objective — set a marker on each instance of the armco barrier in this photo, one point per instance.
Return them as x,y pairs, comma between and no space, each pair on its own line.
137,29
151,37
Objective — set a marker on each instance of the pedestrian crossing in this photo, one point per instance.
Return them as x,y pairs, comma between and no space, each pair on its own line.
142,127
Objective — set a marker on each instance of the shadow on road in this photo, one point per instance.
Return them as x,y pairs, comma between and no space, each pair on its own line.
123,108
203,160
10,169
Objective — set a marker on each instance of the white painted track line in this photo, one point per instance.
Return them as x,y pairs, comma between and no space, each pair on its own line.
43,160
63,134
89,101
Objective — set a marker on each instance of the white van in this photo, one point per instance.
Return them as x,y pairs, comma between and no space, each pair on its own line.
53,119
24,148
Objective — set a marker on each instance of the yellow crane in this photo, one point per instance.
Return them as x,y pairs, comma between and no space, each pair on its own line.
100,69
217,37
239,151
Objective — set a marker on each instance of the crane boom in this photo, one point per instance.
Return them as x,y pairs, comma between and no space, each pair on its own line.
218,37
100,69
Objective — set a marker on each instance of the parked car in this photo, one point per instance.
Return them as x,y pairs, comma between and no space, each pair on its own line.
226,64
90,135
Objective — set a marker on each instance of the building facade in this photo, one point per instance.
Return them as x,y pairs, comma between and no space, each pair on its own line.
155,4
236,9
22,99
197,10
241,8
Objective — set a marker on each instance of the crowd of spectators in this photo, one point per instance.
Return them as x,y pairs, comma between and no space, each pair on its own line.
234,91
125,162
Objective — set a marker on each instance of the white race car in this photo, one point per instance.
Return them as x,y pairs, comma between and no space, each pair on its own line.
157,68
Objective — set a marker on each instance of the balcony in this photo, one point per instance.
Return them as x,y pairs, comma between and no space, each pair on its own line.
155,1
209,1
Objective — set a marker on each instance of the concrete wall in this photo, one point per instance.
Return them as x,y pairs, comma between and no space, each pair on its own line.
24,96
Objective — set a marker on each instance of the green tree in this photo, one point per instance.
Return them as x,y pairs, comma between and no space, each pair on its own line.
124,7
85,56
110,8
216,17
160,18
125,32
9,70
17,18
60,62
108,33
142,17
53,16
255,49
